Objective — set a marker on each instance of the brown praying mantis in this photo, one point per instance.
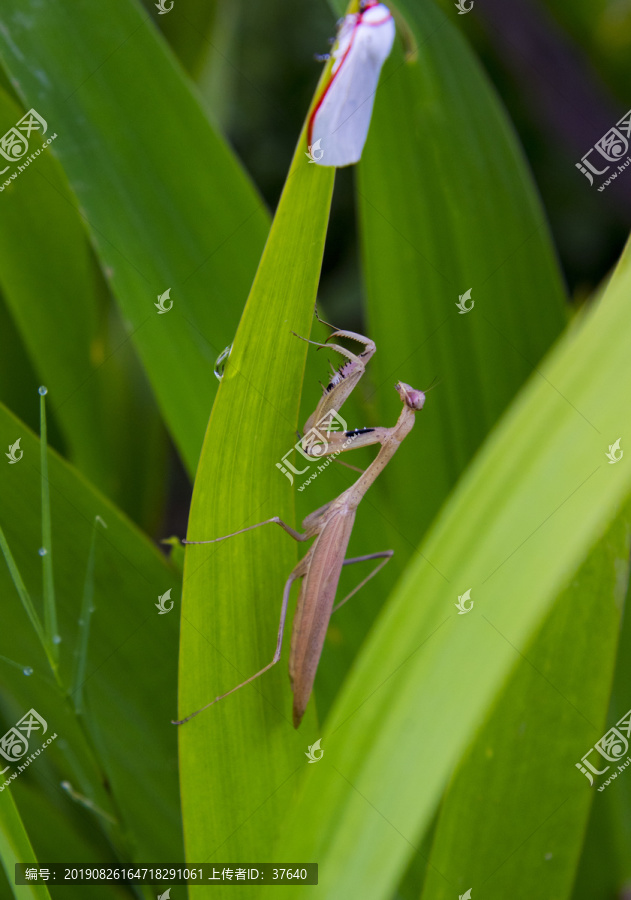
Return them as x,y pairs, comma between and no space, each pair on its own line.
331,526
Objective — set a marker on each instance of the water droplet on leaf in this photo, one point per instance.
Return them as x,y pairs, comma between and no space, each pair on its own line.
220,365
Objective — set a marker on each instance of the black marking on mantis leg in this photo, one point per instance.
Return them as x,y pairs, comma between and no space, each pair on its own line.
345,378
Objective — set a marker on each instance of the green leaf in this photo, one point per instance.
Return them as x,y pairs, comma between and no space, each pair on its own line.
446,203
50,604
127,765
83,636
599,873
132,137
605,866
15,847
59,288
457,211
190,32
233,590
17,393
61,831
537,498
93,395
18,584
523,763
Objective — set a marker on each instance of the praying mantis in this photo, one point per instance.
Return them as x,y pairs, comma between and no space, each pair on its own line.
331,525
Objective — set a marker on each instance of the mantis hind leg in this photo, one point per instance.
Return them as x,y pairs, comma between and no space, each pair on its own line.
384,556
275,520
298,572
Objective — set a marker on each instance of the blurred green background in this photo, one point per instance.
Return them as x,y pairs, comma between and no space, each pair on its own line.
562,69
137,162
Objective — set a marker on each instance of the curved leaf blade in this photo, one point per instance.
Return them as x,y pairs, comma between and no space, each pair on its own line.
195,226
131,660
520,775
445,204
15,847
232,590
424,683
457,216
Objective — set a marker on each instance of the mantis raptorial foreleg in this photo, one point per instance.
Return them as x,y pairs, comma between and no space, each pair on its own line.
320,438
344,380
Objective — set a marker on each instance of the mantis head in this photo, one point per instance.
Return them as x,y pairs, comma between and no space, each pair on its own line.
413,399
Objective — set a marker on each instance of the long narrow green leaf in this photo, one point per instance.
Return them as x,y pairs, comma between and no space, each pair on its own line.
15,847
59,289
619,801
445,203
23,594
233,590
130,686
17,393
427,677
87,608
191,32
60,308
605,866
75,835
160,218
520,776
457,212
46,550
